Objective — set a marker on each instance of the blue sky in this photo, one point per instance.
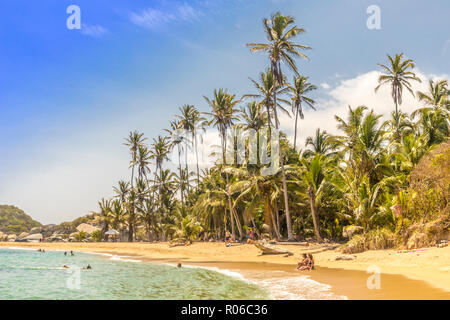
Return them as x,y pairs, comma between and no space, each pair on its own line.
68,97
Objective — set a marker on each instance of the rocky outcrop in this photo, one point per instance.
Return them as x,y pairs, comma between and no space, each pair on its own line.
88,228
23,235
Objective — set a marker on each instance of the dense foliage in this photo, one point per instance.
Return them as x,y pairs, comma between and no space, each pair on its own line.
361,177
14,220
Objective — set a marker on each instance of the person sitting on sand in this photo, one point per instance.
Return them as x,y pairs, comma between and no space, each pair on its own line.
227,238
306,264
311,262
303,262
187,243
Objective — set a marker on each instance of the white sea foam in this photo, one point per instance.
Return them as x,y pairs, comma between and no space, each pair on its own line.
299,288
115,257
284,287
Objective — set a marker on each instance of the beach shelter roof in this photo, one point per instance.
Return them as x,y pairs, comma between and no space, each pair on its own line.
112,232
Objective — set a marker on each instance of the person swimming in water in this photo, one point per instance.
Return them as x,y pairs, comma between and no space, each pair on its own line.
179,265
71,253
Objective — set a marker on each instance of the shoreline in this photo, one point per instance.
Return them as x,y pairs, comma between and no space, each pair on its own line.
419,275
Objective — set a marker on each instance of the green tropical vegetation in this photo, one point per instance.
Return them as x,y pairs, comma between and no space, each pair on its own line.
388,179
14,220
360,178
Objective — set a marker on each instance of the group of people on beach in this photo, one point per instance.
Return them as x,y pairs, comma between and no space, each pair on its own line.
250,237
307,263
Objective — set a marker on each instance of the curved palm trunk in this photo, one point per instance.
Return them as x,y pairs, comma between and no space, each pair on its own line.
283,174
312,202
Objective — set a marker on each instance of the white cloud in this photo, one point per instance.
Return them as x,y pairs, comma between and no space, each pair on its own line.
354,92
325,85
95,31
153,18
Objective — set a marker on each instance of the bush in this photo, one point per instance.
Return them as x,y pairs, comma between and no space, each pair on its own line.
372,240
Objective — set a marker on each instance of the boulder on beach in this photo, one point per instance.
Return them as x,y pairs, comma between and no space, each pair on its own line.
88,228
36,237
36,230
12,237
23,235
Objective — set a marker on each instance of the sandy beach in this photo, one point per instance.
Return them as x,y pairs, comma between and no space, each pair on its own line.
404,275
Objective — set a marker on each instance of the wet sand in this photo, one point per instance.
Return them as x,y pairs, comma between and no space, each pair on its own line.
421,275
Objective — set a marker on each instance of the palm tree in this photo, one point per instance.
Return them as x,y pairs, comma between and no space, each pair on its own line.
299,89
134,140
434,117
176,140
117,214
266,89
143,161
254,119
315,175
105,214
223,115
437,96
321,143
159,152
192,121
399,77
279,31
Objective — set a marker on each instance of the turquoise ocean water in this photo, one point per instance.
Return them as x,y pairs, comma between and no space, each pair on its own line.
29,274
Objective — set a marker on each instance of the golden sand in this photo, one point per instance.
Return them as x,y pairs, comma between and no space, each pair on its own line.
412,275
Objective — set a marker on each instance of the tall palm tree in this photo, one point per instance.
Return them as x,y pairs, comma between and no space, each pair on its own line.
143,162
223,115
300,88
176,139
159,152
134,140
315,174
280,31
266,90
398,76
254,119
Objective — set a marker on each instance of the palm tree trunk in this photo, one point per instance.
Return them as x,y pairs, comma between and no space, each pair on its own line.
283,174
187,168
196,158
312,202
238,224
295,130
181,175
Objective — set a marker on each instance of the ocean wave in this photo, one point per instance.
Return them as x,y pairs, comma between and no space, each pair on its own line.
299,288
